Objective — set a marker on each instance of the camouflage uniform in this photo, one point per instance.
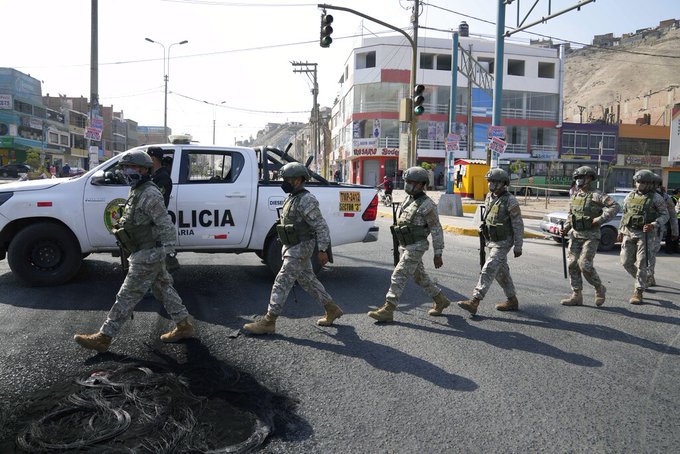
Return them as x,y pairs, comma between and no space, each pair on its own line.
301,208
417,210
633,245
660,233
145,206
496,265
583,244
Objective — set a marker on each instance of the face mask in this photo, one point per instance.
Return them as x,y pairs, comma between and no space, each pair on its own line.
131,176
644,187
287,187
495,186
580,182
410,188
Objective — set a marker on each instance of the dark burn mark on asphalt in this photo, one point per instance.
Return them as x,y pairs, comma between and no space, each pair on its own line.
127,405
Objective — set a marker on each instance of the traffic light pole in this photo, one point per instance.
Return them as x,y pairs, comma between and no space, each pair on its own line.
414,58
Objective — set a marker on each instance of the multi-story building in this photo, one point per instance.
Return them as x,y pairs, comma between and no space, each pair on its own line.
365,124
640,147
152,134
591,144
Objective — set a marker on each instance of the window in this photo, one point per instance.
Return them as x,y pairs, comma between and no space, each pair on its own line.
444,62
214,167
53,137
22,107
426,61
63,139
365,60
515,67
546,70
487,62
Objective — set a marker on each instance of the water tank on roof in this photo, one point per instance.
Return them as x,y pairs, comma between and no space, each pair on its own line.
464,29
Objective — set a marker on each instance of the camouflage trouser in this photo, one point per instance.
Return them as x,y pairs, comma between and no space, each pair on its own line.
148,272
495,267
410,265
581,255
633,258
297,266
655,247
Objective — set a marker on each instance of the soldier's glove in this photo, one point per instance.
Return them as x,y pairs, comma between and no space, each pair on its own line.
518,252
169,249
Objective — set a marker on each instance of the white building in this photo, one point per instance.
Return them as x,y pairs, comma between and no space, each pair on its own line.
365,123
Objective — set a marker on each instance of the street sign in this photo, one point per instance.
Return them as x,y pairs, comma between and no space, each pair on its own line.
452,142
497,145
496,131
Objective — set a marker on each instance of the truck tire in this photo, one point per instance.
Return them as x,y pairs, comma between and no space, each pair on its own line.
607,239
44,254
273,259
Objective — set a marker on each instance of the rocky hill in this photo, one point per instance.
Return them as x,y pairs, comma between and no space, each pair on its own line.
623,83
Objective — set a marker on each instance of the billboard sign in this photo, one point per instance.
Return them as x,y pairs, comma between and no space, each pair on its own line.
496,131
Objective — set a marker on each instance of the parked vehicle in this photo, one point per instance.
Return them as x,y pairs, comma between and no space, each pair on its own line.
14,170
550,224
224,199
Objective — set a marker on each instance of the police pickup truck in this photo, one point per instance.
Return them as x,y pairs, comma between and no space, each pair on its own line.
224,199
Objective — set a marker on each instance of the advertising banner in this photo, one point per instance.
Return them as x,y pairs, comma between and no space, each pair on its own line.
674,148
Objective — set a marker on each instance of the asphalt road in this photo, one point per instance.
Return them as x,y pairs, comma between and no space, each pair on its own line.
545,379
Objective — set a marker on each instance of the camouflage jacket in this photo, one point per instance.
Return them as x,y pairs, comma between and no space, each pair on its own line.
515,213
424,214
609,209
307,211
659,205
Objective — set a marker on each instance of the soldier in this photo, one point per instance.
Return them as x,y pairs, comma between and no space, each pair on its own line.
644,211
146,232
662,231
301,228
503,229
161,178
417,218
588,210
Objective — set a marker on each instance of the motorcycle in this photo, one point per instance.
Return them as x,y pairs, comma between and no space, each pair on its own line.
385,199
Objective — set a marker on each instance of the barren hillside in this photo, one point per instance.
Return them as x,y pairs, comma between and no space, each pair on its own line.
624,83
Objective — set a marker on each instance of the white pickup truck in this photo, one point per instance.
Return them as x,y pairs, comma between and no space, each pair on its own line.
224,199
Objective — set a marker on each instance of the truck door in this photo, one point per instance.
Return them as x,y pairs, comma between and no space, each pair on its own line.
215,198
100,207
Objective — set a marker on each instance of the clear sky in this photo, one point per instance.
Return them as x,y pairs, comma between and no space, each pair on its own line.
239,53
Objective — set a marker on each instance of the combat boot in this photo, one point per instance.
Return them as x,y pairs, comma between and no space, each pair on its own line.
576,299
264,325
385,313
470,305
600,295
97,341
440,303
183,330
510,305
333,312
637,297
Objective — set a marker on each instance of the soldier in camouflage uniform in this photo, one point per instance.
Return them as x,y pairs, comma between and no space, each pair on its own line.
417,218
146,232
301,227
661,232
644,211
503,230
588,210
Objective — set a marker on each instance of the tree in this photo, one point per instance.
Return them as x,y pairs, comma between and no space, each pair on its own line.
518,167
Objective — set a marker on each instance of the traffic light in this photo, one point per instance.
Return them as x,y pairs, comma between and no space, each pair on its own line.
325,40
418,99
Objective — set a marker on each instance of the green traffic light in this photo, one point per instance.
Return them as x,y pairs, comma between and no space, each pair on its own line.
326,41
419,110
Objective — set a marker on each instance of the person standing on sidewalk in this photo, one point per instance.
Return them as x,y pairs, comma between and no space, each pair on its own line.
588,210
300,229
503,230
416,220
644,211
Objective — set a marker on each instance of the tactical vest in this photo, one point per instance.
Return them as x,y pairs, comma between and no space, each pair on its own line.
405,231
289,230
497,226
583,211
639,210
134,237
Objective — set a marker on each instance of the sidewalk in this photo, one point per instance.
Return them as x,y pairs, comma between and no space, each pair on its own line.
532,208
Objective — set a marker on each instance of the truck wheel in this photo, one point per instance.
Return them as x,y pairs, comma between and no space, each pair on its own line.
607,239
273,259
44,254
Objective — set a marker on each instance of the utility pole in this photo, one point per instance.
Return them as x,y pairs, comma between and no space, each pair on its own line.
580,113
310,69
413,149
94,72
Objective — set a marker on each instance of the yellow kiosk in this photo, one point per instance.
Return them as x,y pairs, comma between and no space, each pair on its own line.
469,177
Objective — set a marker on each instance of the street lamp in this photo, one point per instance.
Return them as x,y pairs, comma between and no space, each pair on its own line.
213,106
166,76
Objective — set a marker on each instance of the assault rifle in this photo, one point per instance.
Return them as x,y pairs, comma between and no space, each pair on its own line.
644,222
482,238
564,249
395,241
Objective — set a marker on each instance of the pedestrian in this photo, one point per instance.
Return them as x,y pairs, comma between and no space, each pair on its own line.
66,170
146,232
503,230
644,211
670,229
588,210
161,178
417,218
300,229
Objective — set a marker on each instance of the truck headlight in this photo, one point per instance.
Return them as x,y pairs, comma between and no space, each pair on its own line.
5,196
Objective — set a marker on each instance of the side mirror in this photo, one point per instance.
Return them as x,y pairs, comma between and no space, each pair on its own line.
102,178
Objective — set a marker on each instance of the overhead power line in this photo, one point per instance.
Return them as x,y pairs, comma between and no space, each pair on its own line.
241,109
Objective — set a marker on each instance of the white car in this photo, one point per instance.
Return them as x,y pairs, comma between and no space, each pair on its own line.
550,224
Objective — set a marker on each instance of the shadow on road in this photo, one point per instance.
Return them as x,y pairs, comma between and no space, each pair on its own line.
386,358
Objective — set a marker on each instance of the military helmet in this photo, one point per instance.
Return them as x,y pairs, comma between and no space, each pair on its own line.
644,176
417,174
136,158
498,175
294,170
584,171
